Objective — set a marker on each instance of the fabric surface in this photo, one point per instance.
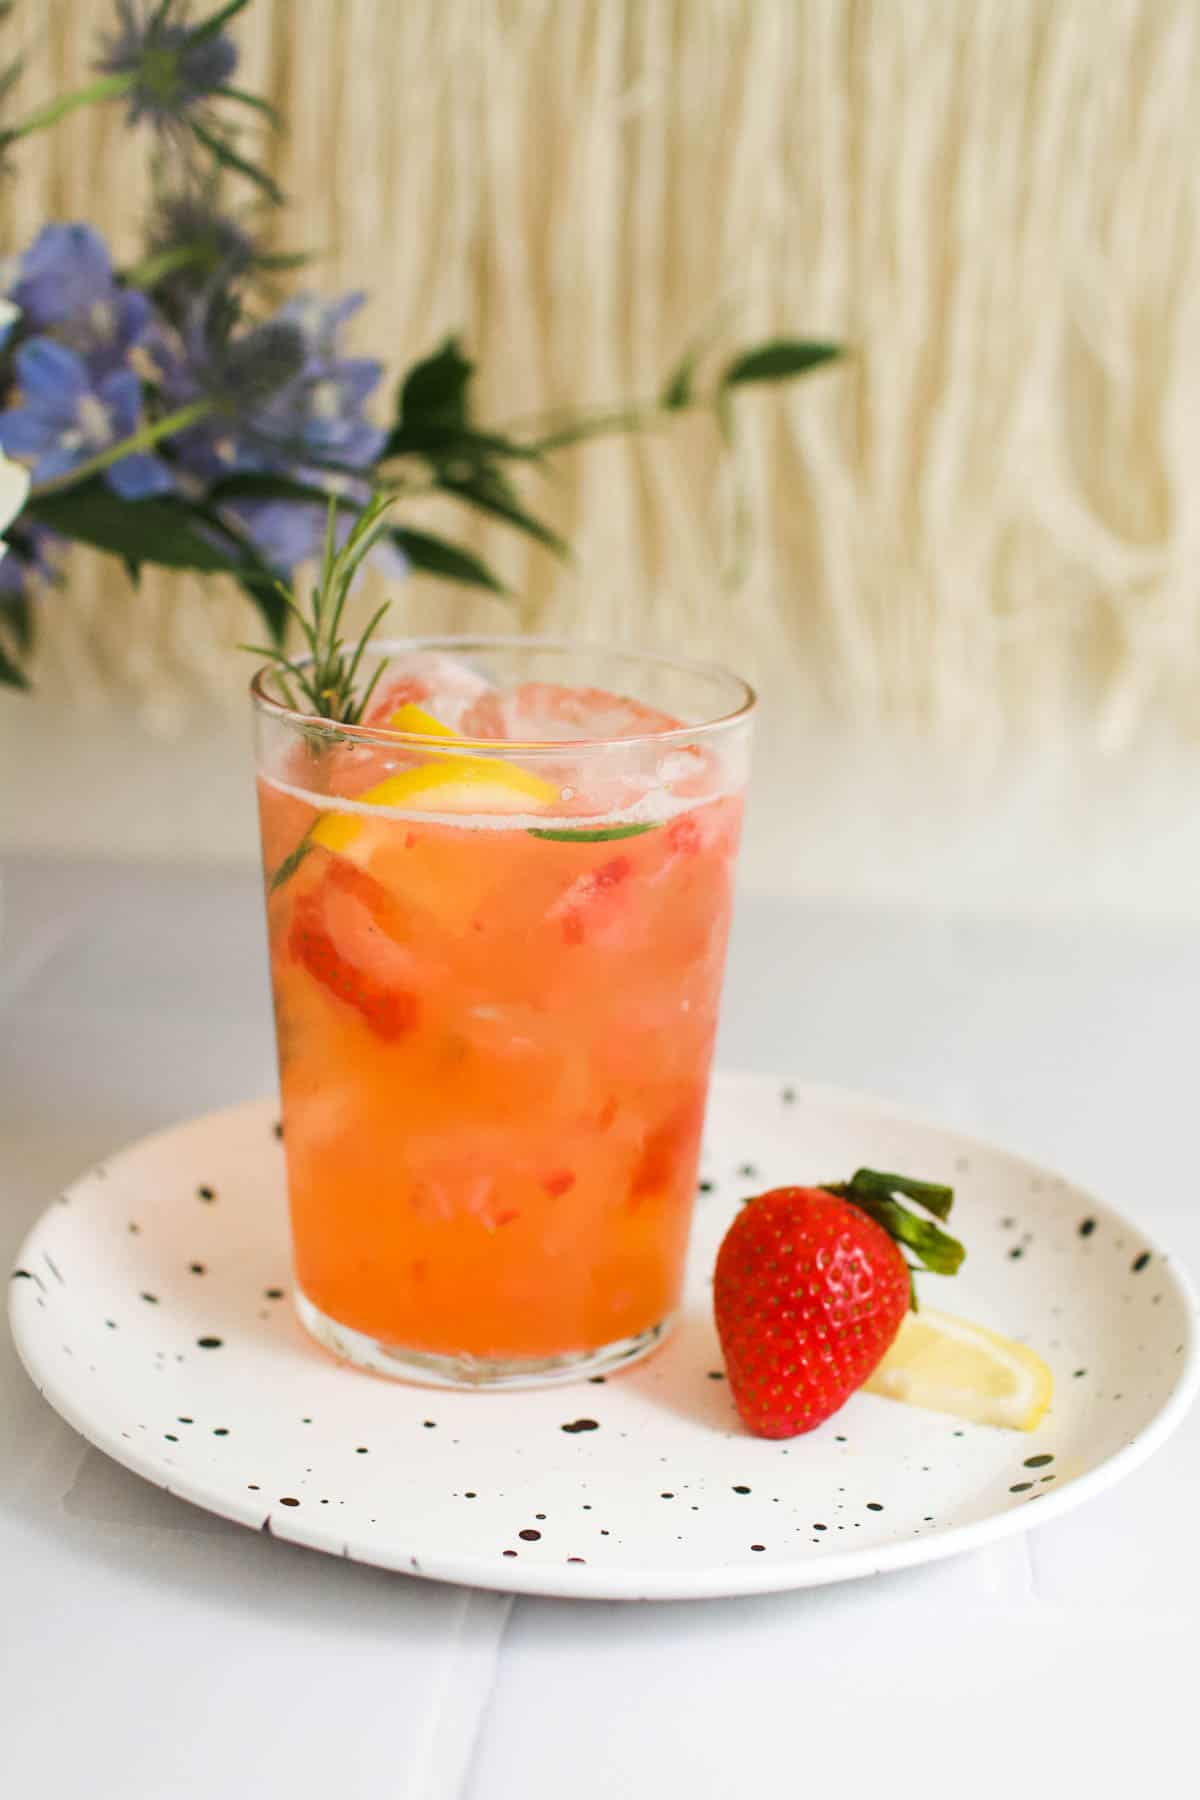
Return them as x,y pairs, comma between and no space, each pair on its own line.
984,518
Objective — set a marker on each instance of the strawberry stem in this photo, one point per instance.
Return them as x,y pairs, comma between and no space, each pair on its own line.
935,1198
874,1193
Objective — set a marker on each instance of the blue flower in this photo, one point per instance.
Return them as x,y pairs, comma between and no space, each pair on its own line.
238,373
67,416
318,416
289,532
285,401
175,66
66,285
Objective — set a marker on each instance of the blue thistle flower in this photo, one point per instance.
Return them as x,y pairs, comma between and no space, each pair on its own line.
172,71
174,66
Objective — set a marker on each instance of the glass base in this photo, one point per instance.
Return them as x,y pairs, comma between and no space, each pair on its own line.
432,1370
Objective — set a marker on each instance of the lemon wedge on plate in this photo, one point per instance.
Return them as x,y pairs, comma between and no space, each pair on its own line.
444,784
953,1366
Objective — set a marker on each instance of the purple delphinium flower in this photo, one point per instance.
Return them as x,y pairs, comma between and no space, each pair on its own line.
65,285
175,66
289,532
67,415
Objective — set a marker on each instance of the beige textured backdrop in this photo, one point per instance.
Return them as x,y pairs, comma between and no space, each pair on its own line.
993,513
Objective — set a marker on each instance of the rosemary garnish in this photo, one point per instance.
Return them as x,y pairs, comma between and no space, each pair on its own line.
327,679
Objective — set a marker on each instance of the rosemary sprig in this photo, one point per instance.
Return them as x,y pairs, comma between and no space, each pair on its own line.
327,679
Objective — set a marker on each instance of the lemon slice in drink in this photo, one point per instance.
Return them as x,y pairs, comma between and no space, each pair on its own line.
445,784
953,1366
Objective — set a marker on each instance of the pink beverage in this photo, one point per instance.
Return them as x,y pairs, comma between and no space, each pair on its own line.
498,916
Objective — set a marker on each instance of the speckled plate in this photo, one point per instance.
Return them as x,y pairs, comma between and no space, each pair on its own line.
150,1306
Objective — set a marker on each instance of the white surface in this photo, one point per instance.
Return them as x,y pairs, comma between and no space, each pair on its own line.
162,1653
149,1308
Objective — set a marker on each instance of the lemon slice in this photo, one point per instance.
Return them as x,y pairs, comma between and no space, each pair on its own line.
446,784
953,1366
412,718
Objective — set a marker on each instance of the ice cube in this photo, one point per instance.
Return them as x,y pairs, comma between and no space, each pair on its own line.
545,713
442,685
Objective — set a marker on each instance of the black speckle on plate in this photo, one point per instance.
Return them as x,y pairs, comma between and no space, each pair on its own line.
1039,1462
206,1193
289,1500
1086,1227
1140,1262
1020,1487
574,1426
529,1535
210,1343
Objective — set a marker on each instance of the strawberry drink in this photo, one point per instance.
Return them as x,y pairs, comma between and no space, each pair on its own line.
498,910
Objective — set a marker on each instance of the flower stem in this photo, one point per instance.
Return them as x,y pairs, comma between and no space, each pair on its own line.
144,439
109,87
153,269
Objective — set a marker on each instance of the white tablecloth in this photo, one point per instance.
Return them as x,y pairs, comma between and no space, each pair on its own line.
150,1651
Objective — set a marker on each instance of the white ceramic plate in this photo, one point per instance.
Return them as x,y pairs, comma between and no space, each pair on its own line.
150,1306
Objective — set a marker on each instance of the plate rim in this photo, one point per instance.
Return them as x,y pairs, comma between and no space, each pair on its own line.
593,1582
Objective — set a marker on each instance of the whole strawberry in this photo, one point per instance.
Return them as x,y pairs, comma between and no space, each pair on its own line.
811,1288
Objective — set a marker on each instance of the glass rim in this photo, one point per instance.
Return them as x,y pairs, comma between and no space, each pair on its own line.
384,735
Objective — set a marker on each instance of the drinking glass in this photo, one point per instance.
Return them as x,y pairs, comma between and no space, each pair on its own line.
498,912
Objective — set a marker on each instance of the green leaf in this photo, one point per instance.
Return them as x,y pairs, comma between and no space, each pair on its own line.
17,614
677,389
271,602
603,834
778,361
228,158
217,21
434,556
10,674
677,393
277,487
435,391
439,443
255,100
290,864
492,492
162,531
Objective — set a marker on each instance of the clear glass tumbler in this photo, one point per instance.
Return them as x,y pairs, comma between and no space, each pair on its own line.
498,913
